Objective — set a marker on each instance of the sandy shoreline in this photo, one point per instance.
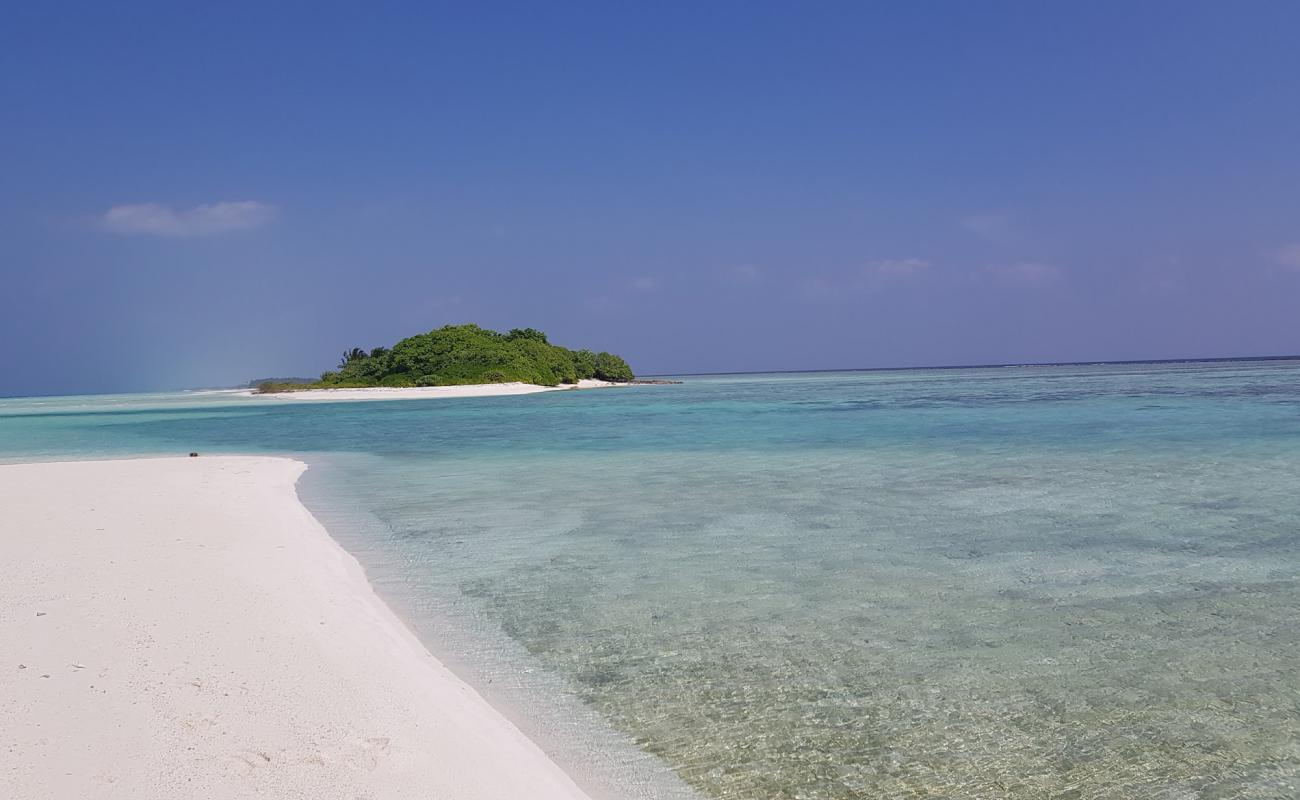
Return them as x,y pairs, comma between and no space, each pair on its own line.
427,392
185,628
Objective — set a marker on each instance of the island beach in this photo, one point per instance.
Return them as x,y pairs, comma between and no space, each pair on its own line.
427,392
183,627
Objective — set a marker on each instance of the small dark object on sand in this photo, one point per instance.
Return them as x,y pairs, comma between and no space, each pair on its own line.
194,455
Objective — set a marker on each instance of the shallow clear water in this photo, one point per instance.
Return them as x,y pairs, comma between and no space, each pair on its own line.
1022,582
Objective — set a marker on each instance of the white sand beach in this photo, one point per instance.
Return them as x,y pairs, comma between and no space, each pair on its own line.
428,392
184,628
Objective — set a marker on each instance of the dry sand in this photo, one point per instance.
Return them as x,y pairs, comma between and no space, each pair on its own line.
428,392
184,628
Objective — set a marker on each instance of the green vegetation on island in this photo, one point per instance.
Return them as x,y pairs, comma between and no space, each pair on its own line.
455,355
257,382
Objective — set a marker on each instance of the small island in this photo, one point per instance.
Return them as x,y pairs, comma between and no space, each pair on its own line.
461,355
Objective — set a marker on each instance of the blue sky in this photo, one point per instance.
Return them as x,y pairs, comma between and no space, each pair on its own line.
197,195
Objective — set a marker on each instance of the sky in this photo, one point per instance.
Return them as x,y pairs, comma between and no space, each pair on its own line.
201,194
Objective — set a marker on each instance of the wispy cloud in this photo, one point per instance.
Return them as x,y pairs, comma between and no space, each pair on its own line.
1164,276
1025,272
155,219
820,289
744,273
1288,256
871,277
646,283
602,304
998,227
897,267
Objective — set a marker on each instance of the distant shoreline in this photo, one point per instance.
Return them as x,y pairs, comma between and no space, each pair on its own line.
425,392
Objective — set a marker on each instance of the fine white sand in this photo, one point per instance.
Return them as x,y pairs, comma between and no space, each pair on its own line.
428,392
184,628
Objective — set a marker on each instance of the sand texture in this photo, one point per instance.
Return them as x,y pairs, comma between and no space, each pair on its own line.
184,628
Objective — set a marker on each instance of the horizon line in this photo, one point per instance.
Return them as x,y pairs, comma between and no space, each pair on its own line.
1193,360
1197,360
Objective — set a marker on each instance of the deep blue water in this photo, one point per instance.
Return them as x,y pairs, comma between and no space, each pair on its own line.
1030,582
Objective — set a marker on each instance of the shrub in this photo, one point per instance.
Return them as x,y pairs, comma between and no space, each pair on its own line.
464,354
610,367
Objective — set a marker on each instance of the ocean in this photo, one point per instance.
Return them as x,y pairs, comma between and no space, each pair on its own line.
1077,581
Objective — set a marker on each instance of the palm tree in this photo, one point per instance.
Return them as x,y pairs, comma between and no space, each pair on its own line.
355,354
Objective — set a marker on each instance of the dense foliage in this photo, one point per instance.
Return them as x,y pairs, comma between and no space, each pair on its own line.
463,354
256,382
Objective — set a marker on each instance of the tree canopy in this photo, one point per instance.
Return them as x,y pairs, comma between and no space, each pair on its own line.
464,354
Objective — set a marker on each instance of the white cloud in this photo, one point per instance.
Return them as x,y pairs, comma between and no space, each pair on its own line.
645,284
1288,256
602,304
876,276
1025,272
155,219
998,227
820,289
1162,276
744,273
898,267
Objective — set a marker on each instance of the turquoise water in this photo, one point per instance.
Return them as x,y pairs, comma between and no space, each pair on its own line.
1040,582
